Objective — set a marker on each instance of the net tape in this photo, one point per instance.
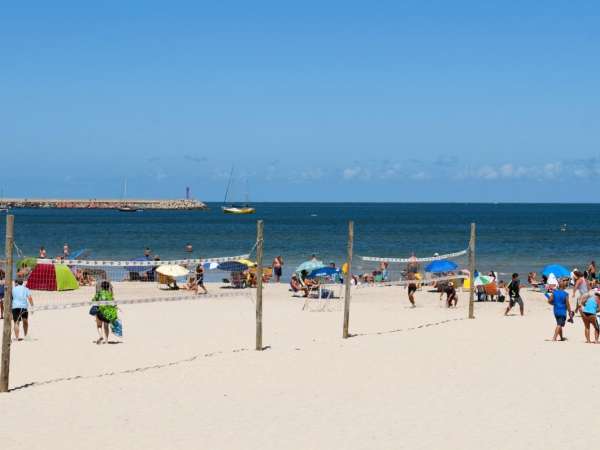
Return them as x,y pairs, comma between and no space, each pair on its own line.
149,263
407,282
140,300
408,260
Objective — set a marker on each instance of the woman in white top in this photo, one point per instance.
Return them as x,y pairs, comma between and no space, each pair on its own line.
581,286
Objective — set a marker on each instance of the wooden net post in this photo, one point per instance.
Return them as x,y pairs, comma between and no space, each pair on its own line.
472,272
348,280
5,365
259,283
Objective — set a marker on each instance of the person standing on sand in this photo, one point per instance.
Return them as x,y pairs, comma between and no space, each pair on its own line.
105,314
21,299
559,299
277,268
200,279
581,285
412,288
590,306
514,295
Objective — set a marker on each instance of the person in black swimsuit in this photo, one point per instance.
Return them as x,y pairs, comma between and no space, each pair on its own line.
412,288
451,296
200,279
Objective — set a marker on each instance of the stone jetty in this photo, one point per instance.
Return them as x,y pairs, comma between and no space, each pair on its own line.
101,204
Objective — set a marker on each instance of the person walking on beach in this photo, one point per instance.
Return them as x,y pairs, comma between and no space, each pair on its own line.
200,279
514,294
559,299
105,314
582,287
412,288
590,306
21,300
277,268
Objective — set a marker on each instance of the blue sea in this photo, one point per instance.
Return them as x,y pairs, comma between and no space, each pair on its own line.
510,237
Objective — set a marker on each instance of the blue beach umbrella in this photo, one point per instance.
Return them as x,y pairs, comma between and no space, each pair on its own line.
557,270
232,266
324,272
442,265
309,266
139,268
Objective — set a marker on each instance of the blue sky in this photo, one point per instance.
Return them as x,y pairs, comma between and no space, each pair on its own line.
312,101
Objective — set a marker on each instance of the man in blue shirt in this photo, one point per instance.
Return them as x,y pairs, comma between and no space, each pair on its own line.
559,299
21,299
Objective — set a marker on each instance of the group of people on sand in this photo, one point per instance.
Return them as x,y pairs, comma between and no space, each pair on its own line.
105,314
585,300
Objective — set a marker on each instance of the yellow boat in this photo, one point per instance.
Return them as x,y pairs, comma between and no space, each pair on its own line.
238,209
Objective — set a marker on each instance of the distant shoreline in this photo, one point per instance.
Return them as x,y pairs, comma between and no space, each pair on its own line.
102,204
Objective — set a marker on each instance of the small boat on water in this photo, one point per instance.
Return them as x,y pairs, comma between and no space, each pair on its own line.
124,206
238,209
233,208
127,208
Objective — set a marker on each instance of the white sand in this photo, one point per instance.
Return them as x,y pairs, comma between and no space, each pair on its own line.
489,383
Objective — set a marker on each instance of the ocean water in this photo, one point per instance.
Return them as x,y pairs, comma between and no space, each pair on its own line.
510,237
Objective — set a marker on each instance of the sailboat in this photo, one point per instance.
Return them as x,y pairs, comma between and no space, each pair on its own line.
3,207
233,208
124,206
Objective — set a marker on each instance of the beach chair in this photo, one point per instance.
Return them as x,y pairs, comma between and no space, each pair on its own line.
491,291
238,280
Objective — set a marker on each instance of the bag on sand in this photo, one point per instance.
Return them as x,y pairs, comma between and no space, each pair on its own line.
117,328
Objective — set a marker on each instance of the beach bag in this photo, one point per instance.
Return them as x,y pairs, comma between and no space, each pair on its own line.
94,310
117,328
501,298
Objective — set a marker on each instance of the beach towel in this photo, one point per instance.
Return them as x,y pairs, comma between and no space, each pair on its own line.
117,328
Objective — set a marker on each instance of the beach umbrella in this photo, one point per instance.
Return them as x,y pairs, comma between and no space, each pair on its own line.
442,265
483,280
324,272
139,268
232,266
557,270
309,266
172,271
79,254
247,262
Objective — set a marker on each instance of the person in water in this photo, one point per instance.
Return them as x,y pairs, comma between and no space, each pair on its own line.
105,314
559,299
590,306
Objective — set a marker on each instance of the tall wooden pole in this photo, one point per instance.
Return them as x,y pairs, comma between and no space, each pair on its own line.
348,280
472,271
259,283
5,365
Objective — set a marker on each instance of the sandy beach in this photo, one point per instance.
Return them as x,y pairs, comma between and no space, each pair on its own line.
186,376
